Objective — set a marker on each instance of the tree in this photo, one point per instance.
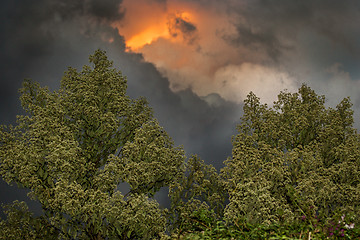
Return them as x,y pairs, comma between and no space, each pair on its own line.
73,149
297,158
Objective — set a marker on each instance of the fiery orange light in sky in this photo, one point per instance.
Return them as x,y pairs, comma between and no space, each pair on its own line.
146,37
146,21
186,41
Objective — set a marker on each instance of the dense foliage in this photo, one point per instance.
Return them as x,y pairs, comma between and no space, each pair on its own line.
294,170
294,159
76,145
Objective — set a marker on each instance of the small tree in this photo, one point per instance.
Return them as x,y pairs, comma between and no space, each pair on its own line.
297,158
75,147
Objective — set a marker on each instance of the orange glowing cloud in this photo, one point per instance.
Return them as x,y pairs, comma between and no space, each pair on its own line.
142,24
146,21
185,41
146,37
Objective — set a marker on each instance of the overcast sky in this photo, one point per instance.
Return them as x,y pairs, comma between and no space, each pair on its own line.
194,60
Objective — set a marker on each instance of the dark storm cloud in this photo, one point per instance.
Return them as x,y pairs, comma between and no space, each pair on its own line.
257,41
106,9
21,41
274,25
30,32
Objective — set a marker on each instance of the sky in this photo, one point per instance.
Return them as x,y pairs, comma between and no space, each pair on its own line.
194,60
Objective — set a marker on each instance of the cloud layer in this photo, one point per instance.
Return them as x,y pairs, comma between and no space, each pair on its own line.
232,47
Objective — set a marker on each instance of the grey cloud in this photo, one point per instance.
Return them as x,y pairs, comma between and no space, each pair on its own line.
106,9
274,26
258,41
161,1
103,10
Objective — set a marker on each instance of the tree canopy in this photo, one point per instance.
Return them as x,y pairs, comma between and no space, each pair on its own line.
293,162
77,144
297,158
